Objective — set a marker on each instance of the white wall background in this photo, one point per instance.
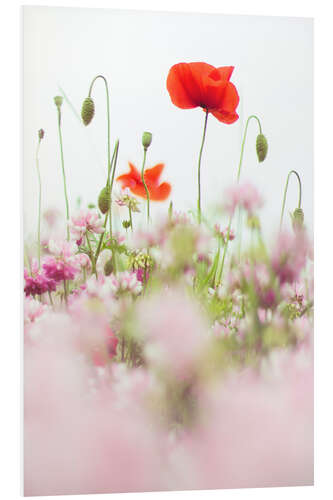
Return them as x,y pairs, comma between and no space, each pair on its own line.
67,47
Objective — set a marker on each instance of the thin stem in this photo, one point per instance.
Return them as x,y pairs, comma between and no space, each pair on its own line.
114,163
243,142
39,200
199,167
238,178
130,217
224,251
101,238
63,171
108,117
114,159
93,262
144,182
285,193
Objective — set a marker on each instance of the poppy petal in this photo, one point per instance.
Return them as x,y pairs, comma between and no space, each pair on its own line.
230,98
225,72
153,174
225,116
182,87
185,84
161,192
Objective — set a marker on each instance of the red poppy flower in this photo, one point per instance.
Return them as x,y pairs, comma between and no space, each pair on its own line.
199,84
132,180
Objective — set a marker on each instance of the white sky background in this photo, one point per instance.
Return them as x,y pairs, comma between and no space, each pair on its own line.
67,47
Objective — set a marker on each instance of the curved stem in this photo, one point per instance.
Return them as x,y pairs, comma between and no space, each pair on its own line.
63,171
238,177
285,193
108,117
199,167
243,142
144,182
39,200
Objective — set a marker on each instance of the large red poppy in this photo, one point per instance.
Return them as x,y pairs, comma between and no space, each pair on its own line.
132,180
199,84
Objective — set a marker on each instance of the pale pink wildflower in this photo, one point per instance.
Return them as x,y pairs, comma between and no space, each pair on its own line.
243,195
86,220
289,256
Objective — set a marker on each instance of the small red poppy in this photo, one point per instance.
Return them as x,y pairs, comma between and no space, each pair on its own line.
199,84
132,180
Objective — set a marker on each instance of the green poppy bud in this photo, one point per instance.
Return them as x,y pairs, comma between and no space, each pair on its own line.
126,224
262,147
146,139
41,134
104,199
58,100
297,218
108,268
88,110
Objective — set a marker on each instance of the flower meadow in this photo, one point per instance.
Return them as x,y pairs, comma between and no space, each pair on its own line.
174,353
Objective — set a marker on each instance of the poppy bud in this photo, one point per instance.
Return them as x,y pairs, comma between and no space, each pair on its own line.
126,224
262,147
297,218
146,139
108,268
88,110
58,100
104,199
40,134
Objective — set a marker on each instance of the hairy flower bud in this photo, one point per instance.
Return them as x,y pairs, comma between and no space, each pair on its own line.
104,199
88,110
297,218
146,139
126,224
41,134
58,100
262,147
108,267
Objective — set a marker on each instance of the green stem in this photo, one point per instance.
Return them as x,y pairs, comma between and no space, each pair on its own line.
238,178
39,200
224,251
114,163
114,159
243,142
108,117
130,217
285,193
199,167
63,170
144,182
93,262
99,246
